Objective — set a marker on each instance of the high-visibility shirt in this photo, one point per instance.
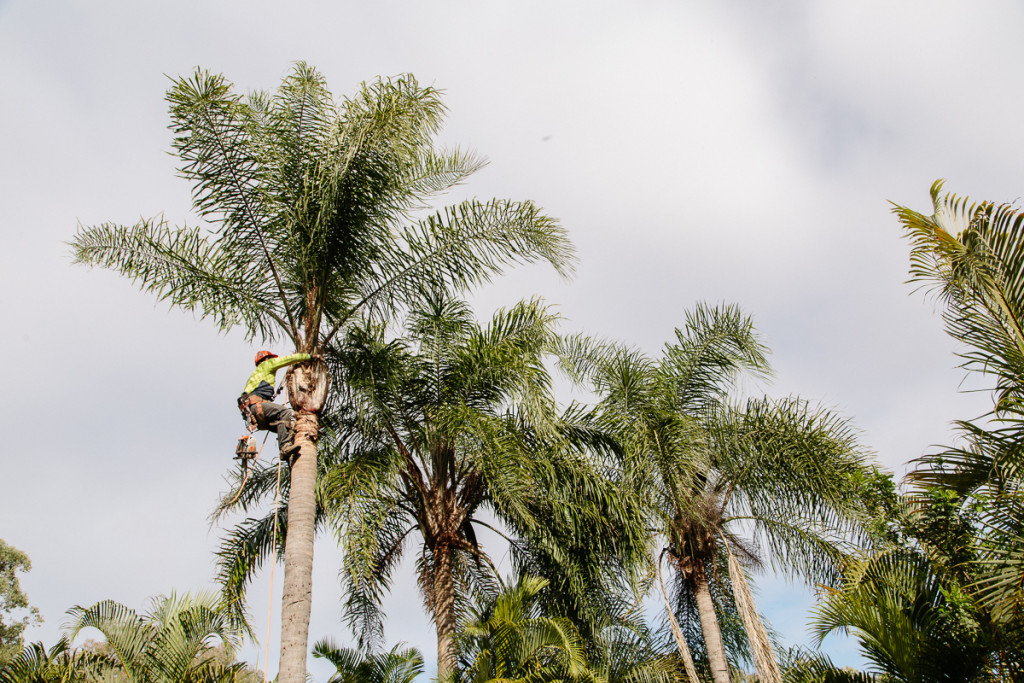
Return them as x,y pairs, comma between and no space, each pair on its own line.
262,381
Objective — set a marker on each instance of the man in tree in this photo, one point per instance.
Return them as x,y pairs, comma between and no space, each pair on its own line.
256,401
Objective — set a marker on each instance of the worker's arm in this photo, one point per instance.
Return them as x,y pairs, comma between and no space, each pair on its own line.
276,364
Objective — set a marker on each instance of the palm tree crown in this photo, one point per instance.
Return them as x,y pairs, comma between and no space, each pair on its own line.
714,470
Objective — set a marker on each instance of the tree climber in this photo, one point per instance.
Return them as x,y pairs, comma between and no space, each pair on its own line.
256,401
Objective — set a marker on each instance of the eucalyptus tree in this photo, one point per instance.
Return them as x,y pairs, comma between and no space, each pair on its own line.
450,429
317,213
971,255
728,484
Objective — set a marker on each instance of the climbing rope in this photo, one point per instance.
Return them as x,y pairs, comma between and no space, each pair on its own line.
273,561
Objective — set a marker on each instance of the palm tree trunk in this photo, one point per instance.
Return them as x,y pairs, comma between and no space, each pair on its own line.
677,633
709,627
444,611
297,598
307,390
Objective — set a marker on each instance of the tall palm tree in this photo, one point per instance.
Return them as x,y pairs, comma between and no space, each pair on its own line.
714,471
972,256
447,430
318,214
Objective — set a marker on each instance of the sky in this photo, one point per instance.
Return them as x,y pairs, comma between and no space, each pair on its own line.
695,151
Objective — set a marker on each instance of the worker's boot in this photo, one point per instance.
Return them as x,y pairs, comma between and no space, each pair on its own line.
289,451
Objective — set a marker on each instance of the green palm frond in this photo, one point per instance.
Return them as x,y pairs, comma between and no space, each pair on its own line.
812,667
714,347
508,638
971,255
244,550
398,665
58,664
164,645
459,247
186,269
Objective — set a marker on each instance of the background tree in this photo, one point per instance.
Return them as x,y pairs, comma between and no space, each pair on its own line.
447,430
972,257
317,215
713,470
170,643
397,665
15,612
507,637
59,664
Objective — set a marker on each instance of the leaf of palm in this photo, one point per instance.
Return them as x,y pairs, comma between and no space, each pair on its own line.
182,266
125,631
458,247
971,254
242,553
184,624
893,605
716,344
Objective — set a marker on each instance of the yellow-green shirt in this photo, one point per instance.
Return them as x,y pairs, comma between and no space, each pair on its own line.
262,381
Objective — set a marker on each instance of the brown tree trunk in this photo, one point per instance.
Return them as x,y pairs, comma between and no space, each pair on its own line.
709,627
444,611
307,389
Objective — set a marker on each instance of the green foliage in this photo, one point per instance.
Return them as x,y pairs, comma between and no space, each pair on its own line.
317,212
398,665
171,643
972,257
711,468
448,428
508,638
59,664
944,600
187,639
15,612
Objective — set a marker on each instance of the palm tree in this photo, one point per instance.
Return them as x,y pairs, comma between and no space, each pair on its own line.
625,653
908,623
448,430
507,637
318,215
510,636
713,471
972,257
58,664
167,644
398,665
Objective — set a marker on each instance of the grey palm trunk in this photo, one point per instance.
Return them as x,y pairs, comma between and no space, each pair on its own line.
444,611
709,626
307,391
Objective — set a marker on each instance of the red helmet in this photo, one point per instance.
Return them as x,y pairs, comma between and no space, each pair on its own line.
263,355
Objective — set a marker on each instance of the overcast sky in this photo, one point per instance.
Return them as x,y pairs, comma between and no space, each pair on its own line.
726,151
